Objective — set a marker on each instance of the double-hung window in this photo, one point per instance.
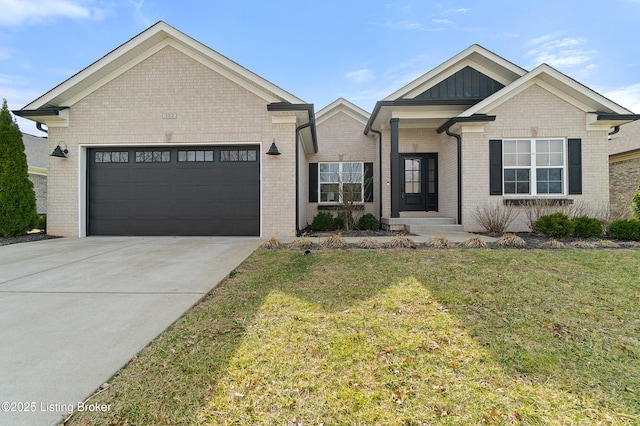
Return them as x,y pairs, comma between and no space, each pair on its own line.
341,182
534,166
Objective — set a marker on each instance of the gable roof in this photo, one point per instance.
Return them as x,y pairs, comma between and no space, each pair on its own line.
476,57
410,101
627,141
344,106
556,82
48,106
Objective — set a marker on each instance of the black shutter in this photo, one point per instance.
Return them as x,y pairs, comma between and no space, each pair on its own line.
574,159
313,182
495,167
368,182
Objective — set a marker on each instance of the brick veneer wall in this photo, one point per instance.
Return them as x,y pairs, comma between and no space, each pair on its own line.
341,138
210,109
624,177
533,113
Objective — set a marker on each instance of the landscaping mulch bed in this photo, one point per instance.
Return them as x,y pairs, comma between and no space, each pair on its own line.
531,241
36,236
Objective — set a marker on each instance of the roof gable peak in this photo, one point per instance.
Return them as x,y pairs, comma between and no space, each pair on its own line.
475,57
142,46
342,105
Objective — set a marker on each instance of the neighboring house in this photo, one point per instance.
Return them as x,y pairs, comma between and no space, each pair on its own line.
37,152
624,166
165,136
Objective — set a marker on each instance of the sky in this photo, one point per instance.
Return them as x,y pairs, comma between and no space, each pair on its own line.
361,50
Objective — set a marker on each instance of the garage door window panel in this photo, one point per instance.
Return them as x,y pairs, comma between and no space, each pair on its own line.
238,155
153,156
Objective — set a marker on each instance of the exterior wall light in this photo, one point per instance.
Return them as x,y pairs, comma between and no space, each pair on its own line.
60,152
273,150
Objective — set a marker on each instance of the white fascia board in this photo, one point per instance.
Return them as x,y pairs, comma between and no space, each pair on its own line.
342,105
562,90
168,36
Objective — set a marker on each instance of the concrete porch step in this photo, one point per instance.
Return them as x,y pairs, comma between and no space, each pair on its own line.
421,225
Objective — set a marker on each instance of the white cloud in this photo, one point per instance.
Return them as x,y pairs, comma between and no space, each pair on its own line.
145,14
360,76
441,21
561,52
628,97
19,12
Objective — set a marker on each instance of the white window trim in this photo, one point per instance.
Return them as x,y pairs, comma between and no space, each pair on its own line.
340,182
533,184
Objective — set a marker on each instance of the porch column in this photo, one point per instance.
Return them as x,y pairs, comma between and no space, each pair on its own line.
395,170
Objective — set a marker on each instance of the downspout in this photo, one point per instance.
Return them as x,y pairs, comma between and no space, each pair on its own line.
298,129
39,127
379,169
459,141
614,131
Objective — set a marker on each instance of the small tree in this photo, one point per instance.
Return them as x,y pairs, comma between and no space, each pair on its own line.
352,189
17,200
635,204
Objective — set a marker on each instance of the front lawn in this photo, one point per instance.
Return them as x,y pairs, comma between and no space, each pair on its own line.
397,337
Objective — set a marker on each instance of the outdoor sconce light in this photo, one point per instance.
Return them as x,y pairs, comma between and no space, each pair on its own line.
59,152
273,150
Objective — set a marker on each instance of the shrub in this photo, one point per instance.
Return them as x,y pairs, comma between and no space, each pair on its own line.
625,229
556,225
586,227
333,241
494,218
42,223
368,222
369,243
322,222
344,220
400,241
440,243
510,240
635,203
474,242
554,244
302,243
272,244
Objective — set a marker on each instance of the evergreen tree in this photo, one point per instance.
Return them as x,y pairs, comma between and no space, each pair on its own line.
17,200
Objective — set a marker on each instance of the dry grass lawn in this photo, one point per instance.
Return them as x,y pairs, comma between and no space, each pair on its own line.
398,337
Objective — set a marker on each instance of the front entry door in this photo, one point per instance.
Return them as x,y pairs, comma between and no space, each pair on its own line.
419,186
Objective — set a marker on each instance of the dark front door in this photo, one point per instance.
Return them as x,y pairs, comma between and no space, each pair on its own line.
419,186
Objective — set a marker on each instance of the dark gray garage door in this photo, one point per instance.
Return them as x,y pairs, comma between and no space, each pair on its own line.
173,191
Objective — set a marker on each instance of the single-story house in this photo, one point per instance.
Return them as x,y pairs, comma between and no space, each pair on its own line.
624,166
165,136
36,150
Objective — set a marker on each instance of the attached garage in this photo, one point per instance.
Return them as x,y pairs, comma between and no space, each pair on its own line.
152,191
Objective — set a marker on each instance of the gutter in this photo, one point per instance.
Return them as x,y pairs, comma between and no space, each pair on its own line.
285,106
446,127
415,102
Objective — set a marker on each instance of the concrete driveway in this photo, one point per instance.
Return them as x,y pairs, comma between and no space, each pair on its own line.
74,311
